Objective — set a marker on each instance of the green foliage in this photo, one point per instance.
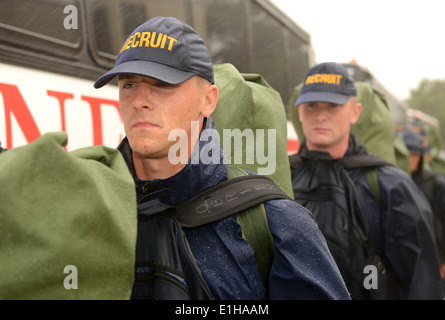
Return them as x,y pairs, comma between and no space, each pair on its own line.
429,97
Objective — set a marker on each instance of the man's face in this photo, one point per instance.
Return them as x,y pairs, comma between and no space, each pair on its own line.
327,125
150,109
414,161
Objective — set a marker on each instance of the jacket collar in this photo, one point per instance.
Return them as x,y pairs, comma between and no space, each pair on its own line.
355,147
192,179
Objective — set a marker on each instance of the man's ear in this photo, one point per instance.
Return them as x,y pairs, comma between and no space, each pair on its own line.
299,111
211,98
356,111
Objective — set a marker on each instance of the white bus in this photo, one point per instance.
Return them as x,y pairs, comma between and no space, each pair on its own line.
51,51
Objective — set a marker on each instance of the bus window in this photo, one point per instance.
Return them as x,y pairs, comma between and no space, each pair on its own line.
254,35
397,107
39,26
112,21
296,64
224,27
268,44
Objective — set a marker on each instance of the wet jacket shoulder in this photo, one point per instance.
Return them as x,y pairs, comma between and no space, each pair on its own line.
433,186
400,227
302,268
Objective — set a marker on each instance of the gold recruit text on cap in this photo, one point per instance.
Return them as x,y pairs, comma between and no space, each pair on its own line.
148,39
324,78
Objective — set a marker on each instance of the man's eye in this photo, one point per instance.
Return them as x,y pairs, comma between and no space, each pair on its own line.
128,85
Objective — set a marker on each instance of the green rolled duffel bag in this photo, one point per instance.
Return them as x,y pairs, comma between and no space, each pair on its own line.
68,222
249,104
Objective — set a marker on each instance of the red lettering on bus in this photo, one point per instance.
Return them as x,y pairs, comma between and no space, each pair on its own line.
16,105
61,97
96,115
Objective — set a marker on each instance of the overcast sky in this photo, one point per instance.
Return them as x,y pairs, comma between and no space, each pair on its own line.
399,41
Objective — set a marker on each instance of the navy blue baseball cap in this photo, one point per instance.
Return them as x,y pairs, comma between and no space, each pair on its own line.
418,127
163,48
327,82
413,141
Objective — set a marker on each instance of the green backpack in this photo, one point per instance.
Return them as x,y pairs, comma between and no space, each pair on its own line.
248,103
435,140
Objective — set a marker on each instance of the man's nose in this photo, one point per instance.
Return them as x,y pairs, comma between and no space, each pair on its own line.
142,98
321,112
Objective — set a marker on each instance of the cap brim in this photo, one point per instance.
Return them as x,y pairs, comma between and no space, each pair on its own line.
145,68
318,96
415,150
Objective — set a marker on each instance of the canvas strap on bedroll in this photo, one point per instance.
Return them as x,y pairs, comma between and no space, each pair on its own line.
165,266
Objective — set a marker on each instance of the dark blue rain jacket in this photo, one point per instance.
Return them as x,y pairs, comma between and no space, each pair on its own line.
303,267
400,228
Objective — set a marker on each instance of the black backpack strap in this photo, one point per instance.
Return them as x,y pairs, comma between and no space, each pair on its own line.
238,194
362,160
227,198
349,162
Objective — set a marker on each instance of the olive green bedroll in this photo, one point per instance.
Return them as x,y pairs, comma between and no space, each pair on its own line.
249,104
68,222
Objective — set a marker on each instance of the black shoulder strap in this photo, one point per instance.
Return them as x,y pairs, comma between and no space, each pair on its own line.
352,161
362,160
232,196
227,198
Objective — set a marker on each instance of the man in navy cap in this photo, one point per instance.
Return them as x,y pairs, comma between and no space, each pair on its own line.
166,83
430,183
398,225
